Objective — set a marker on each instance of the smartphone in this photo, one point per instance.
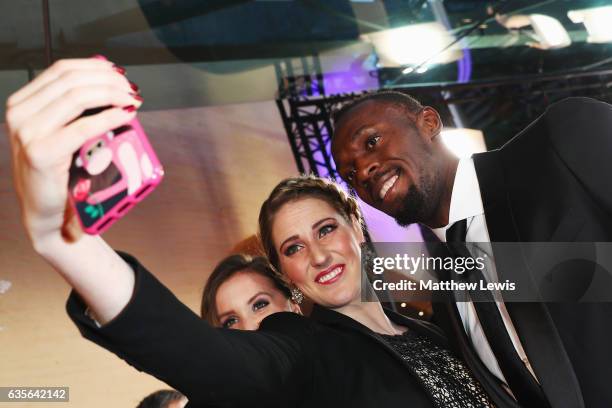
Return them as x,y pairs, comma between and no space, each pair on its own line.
110,173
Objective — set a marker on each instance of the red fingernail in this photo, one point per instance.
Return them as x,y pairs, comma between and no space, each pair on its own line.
100,57
137,97
119,69
129,109
134,87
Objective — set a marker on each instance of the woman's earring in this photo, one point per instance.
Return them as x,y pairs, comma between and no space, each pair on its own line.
297,296
367,258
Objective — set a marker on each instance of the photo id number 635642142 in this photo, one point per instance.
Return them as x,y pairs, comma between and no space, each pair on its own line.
34,394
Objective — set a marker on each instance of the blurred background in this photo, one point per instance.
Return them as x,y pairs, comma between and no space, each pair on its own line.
237,96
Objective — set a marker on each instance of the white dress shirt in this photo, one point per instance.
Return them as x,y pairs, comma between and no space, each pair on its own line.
466,203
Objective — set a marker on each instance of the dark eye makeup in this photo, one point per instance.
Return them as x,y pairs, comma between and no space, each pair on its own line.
291,249
326,229
321,232
260,304
229,322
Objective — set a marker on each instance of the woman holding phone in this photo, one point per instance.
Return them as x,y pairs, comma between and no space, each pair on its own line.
348,353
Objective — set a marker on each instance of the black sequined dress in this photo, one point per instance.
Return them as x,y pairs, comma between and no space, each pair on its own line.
446,379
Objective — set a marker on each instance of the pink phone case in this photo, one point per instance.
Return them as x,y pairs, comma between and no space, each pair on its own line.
110,174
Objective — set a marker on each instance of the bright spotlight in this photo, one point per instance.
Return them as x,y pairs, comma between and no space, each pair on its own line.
463,142
597,21
413,45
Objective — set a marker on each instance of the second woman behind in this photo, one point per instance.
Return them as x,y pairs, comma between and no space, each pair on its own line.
242,290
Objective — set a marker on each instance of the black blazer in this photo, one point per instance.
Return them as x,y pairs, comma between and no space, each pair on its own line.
328,360
551,183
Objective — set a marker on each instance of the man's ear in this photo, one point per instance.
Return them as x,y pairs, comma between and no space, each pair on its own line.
430,122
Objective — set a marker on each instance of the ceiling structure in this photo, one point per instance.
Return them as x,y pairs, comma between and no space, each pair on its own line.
355,45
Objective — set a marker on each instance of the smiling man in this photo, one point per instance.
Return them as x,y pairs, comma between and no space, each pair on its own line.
388,147
548,184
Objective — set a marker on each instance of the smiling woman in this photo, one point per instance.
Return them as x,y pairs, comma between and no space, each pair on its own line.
241,291
319,251
312,231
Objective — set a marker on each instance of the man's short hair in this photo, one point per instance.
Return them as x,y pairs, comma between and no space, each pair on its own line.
398,99
160,399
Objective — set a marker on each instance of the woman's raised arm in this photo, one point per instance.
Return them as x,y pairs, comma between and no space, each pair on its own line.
43,136
142,322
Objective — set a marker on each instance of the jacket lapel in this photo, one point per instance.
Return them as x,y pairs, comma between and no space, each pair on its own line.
532,321
333,318
500,220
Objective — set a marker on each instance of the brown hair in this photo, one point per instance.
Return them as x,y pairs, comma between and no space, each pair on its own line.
300,187
227,268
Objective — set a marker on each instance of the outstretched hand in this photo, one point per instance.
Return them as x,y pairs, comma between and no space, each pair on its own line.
45,130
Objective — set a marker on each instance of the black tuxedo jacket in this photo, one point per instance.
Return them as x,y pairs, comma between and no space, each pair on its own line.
551,183
328,360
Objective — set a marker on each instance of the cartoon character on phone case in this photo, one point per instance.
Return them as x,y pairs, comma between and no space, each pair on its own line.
110,173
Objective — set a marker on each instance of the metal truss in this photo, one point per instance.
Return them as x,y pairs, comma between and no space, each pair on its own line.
499,108
309,129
